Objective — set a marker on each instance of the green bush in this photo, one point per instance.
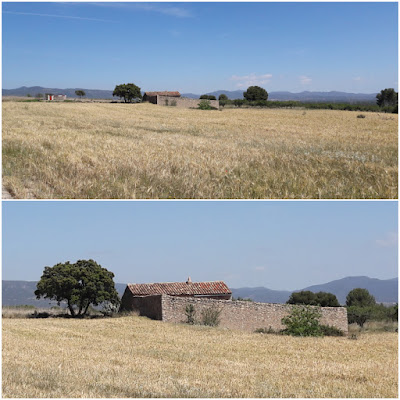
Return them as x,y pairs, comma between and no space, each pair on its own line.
211,316
205,105
190,313
303,321
328,330
239,102
359,315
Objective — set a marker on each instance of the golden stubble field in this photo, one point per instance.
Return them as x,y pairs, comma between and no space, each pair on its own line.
138,357
83,150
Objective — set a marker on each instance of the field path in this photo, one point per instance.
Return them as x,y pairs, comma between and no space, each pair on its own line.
5,194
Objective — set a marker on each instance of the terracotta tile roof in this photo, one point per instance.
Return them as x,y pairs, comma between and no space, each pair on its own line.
174,94
179,288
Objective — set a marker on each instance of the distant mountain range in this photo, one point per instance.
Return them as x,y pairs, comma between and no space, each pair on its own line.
385,291
34,90
311,97
306,97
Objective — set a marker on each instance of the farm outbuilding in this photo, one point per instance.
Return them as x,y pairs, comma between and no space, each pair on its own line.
137,296
152,97
55,97
168,302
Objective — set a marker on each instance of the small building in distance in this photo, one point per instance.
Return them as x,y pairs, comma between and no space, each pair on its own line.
55,97
134,297
174,99
152,97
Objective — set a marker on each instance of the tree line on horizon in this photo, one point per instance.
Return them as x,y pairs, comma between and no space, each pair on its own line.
256,96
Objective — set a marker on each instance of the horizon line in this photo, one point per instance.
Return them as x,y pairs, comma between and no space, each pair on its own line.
210,91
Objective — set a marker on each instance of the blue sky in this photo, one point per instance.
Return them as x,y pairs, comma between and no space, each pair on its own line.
279,245
201,47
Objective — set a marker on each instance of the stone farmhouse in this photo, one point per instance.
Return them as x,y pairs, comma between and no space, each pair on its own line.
168,301
154,97
174,99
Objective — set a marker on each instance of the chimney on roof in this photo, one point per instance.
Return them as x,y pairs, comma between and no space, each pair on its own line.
189,280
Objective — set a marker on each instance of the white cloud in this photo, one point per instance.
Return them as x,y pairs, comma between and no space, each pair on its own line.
305,80
390,240
259,268
173,11
251,80
57,16
357,78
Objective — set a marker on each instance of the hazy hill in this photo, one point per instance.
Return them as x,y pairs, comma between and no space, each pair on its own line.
330,97
385,291
312,97
33,90
22,292
262,294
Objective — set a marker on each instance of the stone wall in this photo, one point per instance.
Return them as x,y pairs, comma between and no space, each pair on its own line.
245,315
183,102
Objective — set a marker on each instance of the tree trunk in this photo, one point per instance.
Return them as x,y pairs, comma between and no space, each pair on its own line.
86,308
71,310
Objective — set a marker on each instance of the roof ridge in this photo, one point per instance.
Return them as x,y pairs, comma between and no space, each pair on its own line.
158,283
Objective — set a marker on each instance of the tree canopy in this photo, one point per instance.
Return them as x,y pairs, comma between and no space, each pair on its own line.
387,97
254,93
360,298
207,97
306,297
80,93
223,97
127,91
79,284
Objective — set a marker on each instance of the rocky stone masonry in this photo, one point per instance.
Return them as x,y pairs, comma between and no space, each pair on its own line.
183,102
245,315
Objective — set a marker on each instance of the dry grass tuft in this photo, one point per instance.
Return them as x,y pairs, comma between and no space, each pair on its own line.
84,150
137,357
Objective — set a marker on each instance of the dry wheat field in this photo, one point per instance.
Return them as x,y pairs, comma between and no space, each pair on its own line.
137,357
83,150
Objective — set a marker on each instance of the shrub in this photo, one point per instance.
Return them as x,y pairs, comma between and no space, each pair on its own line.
108,309
266,331
190,313
205,105
173,103
242,299
303,321
238,102
211,316
359,315
328,330
360,116
40,314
